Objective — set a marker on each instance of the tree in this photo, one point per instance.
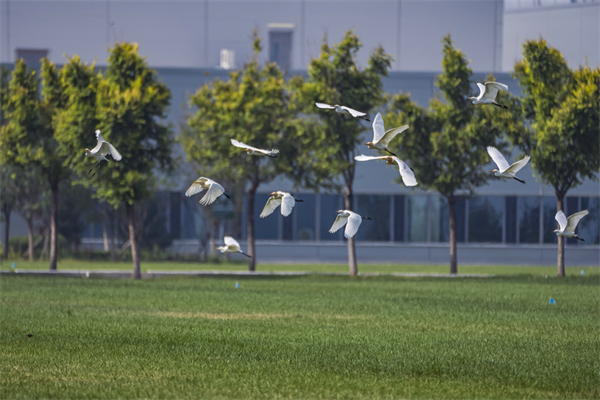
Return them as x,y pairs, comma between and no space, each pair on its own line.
560,110
131,102
251,108
336,78
27,139
446,145
31,197
6,198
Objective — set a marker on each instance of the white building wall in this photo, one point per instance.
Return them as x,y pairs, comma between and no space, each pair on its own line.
571,28
192,33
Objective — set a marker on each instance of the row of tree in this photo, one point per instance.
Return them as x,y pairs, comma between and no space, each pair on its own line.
555,122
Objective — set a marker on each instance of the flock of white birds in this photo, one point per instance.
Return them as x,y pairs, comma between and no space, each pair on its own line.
381,140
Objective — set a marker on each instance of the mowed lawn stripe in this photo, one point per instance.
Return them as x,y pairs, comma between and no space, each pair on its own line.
299,337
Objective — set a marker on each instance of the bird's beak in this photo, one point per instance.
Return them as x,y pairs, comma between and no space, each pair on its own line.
272,194
492,170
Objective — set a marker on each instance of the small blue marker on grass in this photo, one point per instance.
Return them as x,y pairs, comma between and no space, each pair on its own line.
237,285
551,301
582,272
13,265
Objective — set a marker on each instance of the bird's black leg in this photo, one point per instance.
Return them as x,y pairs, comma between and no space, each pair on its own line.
390,152
299,201
499,105
96,170
365,118
93,166
578,238
225,194
523,182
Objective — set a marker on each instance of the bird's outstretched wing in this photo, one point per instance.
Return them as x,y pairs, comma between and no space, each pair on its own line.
498,158
362,157
408,176
561,219
517,166
113,152
100,140
229,241
482,89
354,221
338,223
353,112
323,105
491,89
245,146
271,205
214,191
196,187
378,128
287,204
391,133
574,219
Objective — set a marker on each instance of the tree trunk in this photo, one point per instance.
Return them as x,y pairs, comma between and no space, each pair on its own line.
6,210
452,215
133,242
251,245
30,238
560,264
105,228
351,245
53,225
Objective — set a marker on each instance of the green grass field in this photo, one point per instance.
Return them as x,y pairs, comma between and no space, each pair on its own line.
300,337
318,268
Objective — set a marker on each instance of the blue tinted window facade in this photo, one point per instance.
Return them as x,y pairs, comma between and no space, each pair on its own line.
485,219
550,223
589,226
330,203
528,214
305,217
376,207
417,218
265,228
510,219
399,218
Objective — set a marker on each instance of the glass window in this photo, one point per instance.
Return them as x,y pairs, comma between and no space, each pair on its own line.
417,218
378,208
550,223
305,214
330,203
399,218
510,207
528,213
280,44
265,228
572,207
288,226
175,221
436,203
589,226
485,219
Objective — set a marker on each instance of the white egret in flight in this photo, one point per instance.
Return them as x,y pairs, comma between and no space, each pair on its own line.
488,92
349,218
504,170
231,246
100,151
213,192
253,150
283,199
568,225
344,111
381,137
406,173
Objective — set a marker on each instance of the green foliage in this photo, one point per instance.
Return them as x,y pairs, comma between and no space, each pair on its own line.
130,104
561,113
446,145
336,78
302,337
75,202
251,108
31,193
74,119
